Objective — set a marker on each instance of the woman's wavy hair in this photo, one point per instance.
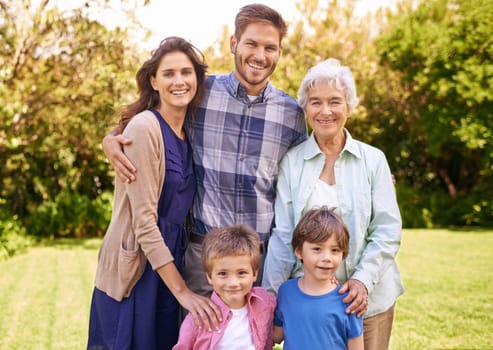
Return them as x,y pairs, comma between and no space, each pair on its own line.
148,97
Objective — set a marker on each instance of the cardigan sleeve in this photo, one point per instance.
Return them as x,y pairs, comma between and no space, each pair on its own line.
146,152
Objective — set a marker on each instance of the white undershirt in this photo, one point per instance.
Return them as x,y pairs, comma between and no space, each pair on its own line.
238,334
322,194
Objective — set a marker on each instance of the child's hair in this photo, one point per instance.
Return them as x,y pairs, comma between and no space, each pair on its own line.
231,241
318,225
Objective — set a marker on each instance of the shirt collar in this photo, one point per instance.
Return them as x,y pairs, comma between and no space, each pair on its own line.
312,149
222,306
239,91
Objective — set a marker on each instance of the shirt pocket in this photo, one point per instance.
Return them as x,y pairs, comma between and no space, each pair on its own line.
263,173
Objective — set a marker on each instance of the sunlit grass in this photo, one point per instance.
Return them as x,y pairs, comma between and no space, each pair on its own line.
45,296
448,304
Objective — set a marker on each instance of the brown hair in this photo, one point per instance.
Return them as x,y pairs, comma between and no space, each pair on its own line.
318,225
231,241
148,97
254,13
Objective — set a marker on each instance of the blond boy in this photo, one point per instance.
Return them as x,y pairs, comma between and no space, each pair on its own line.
231,258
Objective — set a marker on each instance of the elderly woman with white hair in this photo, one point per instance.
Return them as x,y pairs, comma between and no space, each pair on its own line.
333,169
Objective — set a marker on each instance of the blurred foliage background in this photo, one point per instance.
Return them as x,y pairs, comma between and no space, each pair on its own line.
424,74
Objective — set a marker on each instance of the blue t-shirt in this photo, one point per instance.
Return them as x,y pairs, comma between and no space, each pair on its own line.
314,322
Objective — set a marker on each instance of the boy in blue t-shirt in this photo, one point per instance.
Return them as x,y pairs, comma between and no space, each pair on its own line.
310,313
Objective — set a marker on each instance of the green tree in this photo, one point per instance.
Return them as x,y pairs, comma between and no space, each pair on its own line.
62,75
441,55
218,56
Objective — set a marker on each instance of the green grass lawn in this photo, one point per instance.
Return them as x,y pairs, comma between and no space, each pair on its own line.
448,304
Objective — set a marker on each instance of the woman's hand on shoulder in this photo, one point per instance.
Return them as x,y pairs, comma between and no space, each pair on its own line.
357,296
204,312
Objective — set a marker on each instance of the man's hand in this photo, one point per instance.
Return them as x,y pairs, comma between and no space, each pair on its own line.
113,149
357,296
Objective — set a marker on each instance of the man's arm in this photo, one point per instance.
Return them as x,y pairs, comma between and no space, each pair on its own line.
113,150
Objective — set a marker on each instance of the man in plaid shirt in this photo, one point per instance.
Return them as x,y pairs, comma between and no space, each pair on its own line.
239,134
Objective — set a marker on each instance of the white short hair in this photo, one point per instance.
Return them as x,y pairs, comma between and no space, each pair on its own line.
329,71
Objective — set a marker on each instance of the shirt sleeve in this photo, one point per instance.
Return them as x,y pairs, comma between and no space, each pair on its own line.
354,326
271,305
280,259
301,129
188,334
385,229
278,320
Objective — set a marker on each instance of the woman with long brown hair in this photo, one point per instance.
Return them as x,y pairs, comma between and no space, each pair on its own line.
138,286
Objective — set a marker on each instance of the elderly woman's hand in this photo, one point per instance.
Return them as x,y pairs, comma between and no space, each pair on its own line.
357,296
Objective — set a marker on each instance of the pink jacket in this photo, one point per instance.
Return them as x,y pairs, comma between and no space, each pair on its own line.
260,306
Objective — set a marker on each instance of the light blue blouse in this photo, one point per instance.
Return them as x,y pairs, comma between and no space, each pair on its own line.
367,205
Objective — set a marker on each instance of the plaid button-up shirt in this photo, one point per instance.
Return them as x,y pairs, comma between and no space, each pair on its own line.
237,145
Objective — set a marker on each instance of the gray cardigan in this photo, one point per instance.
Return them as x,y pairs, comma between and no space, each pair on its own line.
133,237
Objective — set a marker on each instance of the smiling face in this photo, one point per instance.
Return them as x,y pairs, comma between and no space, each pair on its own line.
320,260
175,80
256,55
232,277
326,111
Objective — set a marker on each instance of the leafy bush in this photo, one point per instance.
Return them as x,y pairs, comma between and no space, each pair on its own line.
13,237
480,205
72,215
58,92
422,209
414,213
